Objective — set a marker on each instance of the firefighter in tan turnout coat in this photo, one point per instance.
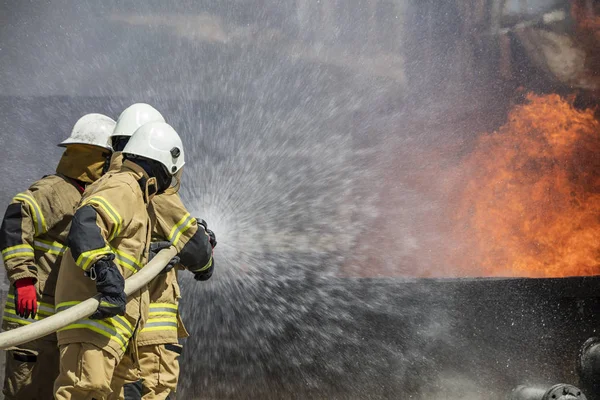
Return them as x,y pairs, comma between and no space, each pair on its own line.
158,348
154,374
33,240
108,241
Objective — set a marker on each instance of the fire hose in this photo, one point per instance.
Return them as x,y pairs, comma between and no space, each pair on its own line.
84,309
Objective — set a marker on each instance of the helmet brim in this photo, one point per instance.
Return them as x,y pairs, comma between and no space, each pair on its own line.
67,142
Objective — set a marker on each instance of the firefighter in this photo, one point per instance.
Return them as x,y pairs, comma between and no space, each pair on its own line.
158,347
108,240
155,373
32,239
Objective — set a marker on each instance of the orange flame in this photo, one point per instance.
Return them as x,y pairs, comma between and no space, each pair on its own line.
532,204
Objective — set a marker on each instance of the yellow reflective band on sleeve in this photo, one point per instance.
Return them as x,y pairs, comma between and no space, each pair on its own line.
55,248
110,210
180,227
21,250
207,266
86,258
36,212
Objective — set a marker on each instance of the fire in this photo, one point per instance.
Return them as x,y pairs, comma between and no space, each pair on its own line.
531,205
586,18
587,31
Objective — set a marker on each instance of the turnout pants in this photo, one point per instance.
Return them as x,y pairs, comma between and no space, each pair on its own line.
155,379
31,369
85,372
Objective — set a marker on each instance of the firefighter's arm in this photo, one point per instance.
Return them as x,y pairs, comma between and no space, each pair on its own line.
26,218
197,254
192,242
96,223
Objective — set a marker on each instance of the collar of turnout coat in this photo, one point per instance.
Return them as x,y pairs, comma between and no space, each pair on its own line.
147,184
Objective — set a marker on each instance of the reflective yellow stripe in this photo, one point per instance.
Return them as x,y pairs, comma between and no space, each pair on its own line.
101,328
127,260
11,315
160,324
120,320
19,246
129,257
159,328
86,258
174,229
163,305
66,304
207,266
180,227
162,319
17,319
38,217
55,248
123,323
21,250
163,309
110,210
125,264
117,328
43,308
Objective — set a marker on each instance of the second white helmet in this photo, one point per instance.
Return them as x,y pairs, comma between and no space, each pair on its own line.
135,116
92,129
158,141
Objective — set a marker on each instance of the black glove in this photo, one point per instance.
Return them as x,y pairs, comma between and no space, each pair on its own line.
206,274
155,247
111,285
211,235
203,276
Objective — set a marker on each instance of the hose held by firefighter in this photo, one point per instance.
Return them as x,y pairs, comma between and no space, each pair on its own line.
84,231
109,241
155,372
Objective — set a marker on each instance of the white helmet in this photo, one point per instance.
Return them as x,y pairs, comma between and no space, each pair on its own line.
92,129
135,116
158,141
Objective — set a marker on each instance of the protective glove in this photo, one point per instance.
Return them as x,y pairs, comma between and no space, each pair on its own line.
25,298
206,274
211,235
111,285
155,247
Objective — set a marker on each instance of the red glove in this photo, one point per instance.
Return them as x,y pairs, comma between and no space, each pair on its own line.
25,298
